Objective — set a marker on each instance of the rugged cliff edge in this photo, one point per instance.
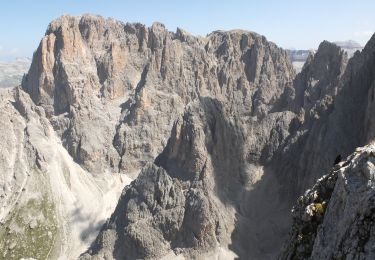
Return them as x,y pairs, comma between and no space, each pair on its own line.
335,219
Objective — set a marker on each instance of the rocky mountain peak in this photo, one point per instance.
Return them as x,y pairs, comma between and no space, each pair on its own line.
319,78
90,63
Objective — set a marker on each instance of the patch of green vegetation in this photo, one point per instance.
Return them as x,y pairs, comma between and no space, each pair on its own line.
30,231
319,208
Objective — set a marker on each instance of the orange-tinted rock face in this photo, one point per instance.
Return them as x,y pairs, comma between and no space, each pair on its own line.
92,63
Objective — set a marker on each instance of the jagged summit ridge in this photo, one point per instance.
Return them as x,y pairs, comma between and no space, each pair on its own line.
90,63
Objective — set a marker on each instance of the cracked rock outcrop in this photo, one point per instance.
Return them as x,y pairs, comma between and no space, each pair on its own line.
335,219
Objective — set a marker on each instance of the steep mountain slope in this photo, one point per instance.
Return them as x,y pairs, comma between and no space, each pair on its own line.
337,104
206,157
327,97
343,230
94,73
48,204
235,162
299,57
219,133
130,83
87,67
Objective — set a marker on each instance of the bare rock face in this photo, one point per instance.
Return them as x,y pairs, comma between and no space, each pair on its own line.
334,220
147,222
115,94
184,183
284,147
206,156
87,68
318,83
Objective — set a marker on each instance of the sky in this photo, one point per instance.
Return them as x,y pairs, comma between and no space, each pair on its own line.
289,23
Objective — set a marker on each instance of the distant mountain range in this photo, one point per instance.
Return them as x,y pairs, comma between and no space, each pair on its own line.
11,72
298,57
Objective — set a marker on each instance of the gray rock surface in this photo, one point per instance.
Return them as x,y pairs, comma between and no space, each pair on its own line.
284,149
335,219
87,68
347,126
299,57
48,203
336,117
205,156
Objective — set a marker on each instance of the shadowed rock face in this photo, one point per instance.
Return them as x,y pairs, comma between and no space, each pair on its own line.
205,157
115,93
232,160
336,234
334,124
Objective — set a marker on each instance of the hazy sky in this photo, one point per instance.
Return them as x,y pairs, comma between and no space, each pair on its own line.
290,24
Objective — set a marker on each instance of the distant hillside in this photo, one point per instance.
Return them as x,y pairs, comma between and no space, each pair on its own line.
298,58
349,46
11,72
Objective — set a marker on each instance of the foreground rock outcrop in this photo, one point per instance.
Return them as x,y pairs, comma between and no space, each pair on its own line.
335,219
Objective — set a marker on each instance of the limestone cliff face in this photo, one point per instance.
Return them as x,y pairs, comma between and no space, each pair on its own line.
88,68
116,93
206,156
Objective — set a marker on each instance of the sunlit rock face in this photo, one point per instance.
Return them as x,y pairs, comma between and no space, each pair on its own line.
130,83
